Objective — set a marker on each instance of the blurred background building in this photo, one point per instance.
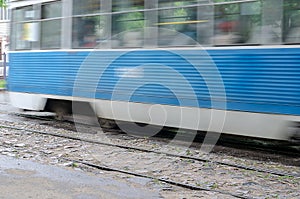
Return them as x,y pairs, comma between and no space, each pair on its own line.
4,30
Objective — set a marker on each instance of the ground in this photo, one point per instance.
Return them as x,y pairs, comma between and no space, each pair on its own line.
49,143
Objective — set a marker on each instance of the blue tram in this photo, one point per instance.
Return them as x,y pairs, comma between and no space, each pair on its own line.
228,66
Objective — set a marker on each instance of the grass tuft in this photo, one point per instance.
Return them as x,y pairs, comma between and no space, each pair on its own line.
2,84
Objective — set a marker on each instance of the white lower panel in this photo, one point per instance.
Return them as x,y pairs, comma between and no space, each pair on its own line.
231,122
27,101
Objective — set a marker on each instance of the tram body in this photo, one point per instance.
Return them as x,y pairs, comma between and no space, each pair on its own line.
247,79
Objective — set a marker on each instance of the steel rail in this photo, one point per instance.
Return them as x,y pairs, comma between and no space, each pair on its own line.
171,182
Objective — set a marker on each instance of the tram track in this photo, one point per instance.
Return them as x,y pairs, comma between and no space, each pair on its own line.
189,186
91,141
170,182
280,148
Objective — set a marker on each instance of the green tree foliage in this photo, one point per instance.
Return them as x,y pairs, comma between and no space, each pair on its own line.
2,3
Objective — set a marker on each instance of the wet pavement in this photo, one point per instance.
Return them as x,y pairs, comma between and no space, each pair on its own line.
27,179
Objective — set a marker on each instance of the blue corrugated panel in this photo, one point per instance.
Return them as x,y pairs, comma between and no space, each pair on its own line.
255,80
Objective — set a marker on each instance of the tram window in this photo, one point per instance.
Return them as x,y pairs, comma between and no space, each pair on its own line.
51,10
205,27
291,27
23,14
51,25
177,26
237,23
24,28
126,5
127,28
166,3
81,7
90,31
272,22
